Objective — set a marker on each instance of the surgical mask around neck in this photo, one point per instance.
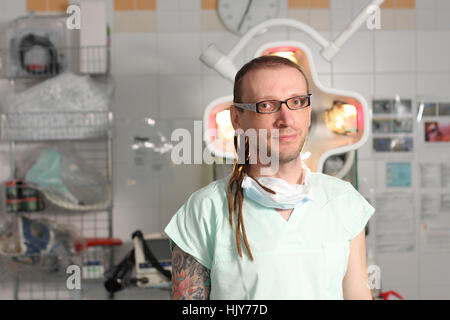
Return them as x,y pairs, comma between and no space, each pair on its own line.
287,196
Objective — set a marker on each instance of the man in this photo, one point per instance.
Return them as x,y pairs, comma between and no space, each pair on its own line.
302,233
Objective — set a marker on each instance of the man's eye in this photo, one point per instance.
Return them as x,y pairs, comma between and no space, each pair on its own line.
299,102
265,105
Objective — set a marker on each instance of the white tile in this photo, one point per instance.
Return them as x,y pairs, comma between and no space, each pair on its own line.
301,15
134,53
394,51
433,50
133,187
270,36
388,19
187,179
442,19
179,53
433,84
127,220
168,21
12,9
340,18
190,5
320,19
390,85
181,97
425,4
398,269
341,4
434,269
190,21
426,19
168,5
215,86
360,83
211,21
442,4
356,55
405,19
284,10
179,21
135,95
437,292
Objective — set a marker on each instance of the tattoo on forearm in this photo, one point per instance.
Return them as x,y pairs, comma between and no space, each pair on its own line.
190,279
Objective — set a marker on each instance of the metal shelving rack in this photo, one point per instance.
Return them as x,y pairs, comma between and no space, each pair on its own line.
95,151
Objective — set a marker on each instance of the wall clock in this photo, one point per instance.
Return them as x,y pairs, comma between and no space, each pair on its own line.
239,16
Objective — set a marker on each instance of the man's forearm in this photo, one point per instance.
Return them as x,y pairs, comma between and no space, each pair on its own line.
190,279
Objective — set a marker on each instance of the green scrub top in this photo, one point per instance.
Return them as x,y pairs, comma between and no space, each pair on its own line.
304,257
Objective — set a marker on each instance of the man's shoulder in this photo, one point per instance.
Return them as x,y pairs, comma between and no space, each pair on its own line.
327,187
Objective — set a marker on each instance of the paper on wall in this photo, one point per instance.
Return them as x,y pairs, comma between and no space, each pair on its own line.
430,175
395,223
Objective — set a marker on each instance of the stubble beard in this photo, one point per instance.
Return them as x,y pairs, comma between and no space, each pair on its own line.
288,155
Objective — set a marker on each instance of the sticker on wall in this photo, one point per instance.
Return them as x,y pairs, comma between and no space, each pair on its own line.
386,144
392,106
381,126
398,174
437,131
402,125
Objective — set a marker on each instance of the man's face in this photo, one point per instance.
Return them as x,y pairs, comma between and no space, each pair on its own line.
279,83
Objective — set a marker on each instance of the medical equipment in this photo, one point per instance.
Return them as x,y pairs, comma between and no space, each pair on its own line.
151,259
39,244
38,46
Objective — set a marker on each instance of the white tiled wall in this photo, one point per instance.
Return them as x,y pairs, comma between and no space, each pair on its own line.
158,75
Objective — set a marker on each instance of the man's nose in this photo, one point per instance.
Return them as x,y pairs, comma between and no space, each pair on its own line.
285,116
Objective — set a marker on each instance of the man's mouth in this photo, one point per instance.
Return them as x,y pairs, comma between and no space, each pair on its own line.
287,137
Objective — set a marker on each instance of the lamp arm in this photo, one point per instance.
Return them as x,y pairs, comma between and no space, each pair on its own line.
223,64
331,50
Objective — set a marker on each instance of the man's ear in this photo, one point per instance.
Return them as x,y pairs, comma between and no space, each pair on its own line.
235,115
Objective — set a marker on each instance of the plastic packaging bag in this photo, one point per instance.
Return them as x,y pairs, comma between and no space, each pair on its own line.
67,181
67,106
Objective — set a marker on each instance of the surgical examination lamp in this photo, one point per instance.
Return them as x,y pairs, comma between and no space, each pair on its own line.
340,121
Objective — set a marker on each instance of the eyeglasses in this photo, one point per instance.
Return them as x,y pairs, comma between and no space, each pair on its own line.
271,106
